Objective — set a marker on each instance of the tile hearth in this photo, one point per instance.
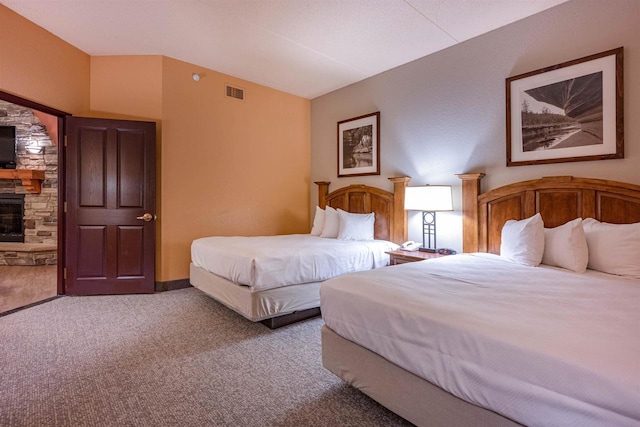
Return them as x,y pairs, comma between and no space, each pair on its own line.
27,254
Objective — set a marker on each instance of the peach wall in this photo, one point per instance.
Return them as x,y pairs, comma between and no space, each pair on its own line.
36,65
229,167
224,166
128,85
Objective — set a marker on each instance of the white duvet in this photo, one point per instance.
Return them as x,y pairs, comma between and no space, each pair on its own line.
266,262
540,345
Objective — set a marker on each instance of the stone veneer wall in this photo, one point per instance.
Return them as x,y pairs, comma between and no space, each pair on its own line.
40,210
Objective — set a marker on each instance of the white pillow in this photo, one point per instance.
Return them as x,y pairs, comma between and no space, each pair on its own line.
331,223
523,241
613,248
318,222
566,246
355,226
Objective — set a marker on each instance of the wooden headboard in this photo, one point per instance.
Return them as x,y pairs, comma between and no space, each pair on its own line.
558,199
391,218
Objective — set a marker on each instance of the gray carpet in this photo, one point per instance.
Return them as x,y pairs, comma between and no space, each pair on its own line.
176,358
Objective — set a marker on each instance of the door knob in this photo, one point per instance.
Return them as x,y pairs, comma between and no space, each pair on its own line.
146,217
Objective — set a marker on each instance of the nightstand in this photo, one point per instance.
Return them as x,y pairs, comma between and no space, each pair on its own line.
403,257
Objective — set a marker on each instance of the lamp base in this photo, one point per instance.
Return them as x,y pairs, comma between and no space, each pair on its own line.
432,251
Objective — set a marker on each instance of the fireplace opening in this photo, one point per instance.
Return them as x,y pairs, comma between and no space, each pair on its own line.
11,218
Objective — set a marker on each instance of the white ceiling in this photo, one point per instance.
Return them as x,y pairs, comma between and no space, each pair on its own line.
304,47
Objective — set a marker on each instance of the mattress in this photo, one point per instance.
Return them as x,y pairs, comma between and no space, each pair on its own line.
541,346
267,262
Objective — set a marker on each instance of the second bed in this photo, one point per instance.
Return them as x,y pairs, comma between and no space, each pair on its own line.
276,279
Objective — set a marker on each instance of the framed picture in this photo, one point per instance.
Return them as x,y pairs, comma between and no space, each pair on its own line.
359,146
568,112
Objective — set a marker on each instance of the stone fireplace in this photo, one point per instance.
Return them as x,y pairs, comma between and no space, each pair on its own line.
35,151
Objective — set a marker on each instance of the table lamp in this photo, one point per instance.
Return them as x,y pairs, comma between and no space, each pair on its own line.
429,199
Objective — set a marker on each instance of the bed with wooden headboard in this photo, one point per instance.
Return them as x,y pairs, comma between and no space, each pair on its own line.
411,291
284,303
558,199
391,218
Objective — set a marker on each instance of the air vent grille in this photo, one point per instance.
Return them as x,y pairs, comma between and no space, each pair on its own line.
235,92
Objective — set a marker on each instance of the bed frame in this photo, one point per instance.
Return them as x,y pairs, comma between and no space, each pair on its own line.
390,224
558,199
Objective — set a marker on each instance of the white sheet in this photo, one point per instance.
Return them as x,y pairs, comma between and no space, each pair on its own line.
540,345
266,262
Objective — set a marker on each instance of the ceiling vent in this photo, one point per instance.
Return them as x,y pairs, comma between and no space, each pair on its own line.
234,92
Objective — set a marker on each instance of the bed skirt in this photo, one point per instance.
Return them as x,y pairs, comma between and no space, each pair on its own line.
260,305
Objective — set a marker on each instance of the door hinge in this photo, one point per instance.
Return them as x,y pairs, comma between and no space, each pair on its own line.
65,140
65,207
64,273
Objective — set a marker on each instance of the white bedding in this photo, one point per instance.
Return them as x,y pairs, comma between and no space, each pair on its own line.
266,262
542,346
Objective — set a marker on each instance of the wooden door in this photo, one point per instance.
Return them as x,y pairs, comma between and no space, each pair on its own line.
110,206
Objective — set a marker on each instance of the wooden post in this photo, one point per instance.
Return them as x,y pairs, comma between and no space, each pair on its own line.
399,225
470,214
323,190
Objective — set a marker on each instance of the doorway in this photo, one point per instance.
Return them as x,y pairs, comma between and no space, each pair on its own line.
115,252
30,254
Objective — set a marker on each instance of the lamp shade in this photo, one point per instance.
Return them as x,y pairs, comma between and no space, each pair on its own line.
429,198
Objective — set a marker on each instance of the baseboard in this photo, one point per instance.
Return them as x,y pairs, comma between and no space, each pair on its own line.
172,285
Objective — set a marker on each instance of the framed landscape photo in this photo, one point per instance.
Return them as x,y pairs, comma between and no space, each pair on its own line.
567,112
359,146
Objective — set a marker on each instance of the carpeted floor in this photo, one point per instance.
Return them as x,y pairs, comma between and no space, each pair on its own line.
176,358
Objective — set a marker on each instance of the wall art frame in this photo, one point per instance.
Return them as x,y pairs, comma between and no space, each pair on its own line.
567,112
359,146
